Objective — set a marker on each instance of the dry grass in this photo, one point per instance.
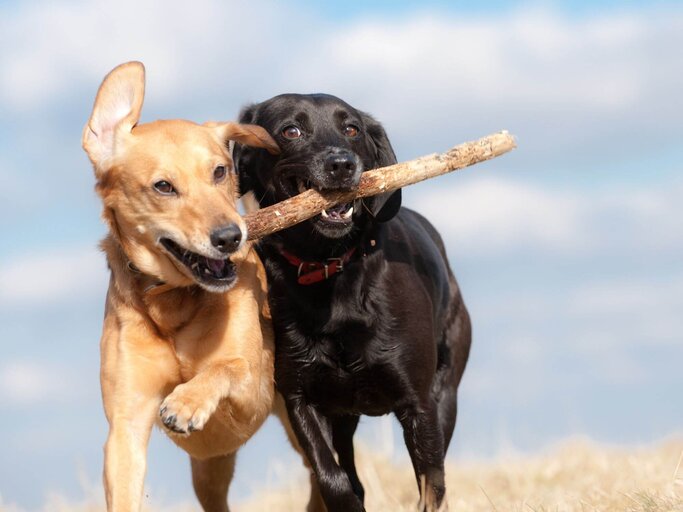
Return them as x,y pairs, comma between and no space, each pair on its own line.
577,476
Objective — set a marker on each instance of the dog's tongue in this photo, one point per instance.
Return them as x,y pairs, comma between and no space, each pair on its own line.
216,266
336,211
340,208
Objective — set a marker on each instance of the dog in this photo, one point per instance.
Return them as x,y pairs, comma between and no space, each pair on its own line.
368,317
187,341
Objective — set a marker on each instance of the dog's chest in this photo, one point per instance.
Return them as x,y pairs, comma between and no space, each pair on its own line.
338,392
342,344
347,381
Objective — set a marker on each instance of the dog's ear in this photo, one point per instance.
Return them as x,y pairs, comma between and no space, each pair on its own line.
247,134
244,157
384,206
115,113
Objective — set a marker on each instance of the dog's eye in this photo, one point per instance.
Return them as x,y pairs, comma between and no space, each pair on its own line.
291,132
350,131
219,173
164,187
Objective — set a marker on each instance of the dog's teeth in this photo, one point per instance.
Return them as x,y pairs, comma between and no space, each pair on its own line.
348,214
325,214
300,185
195,265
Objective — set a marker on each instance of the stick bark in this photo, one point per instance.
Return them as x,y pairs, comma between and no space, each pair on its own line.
386,179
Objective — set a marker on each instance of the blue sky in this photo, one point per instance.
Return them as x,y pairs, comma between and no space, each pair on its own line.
568,250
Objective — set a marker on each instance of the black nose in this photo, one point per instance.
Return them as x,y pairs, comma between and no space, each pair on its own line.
342,166
227,238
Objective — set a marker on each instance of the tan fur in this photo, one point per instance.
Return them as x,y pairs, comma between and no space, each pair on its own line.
206,357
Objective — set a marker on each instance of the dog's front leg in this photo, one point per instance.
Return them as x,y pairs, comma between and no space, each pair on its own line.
315,502
135,373
314,435
191,404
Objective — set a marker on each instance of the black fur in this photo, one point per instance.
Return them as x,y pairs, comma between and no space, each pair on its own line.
388,335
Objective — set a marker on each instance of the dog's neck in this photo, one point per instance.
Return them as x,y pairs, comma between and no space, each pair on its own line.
307,246
164,305
155,286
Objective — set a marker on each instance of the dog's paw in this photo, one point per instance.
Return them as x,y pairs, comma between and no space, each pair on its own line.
183,411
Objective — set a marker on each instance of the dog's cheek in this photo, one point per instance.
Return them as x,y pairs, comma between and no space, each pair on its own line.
249,202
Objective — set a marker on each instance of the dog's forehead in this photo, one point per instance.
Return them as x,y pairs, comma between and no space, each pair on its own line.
178,139
311,105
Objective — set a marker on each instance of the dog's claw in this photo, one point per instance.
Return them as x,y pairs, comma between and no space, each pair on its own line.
170,421
177,430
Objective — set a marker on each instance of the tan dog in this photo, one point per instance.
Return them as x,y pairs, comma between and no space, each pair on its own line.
187,340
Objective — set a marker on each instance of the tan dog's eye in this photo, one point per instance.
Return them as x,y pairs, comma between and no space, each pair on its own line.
165,188
219,173
291,132
350,131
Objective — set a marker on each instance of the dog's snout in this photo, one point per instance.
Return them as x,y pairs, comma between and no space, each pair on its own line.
341,164
343,168
226,238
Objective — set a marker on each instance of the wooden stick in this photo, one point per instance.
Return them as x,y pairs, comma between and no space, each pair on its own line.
386,179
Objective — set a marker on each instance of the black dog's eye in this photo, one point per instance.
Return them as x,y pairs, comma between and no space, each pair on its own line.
219,173
291,132
164,187
351,131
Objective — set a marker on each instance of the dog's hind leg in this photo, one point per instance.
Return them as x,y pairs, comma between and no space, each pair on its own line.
448,413
424,440
211,479
343,428
454,351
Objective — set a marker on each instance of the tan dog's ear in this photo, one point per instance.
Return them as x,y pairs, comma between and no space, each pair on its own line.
115,113
248,134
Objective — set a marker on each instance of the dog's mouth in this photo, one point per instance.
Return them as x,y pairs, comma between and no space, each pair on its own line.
341,214
213,274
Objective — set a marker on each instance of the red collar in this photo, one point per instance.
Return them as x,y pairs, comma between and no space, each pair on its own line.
310,272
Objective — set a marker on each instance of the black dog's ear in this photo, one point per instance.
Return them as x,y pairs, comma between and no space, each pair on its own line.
243,156
384,206
247,114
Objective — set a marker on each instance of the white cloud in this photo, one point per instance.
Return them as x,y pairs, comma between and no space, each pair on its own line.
523,58
642,311
627,297
489,214
426,64
26,383
78,42
78,273
553,79
598,317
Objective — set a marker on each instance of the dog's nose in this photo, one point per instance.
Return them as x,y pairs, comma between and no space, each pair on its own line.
226,238
343,167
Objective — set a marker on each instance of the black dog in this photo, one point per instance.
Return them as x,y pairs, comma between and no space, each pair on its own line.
368,316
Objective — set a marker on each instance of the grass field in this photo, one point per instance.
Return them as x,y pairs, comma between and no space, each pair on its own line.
576,476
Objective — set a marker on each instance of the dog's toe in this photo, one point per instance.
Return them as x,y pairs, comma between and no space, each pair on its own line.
182,413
